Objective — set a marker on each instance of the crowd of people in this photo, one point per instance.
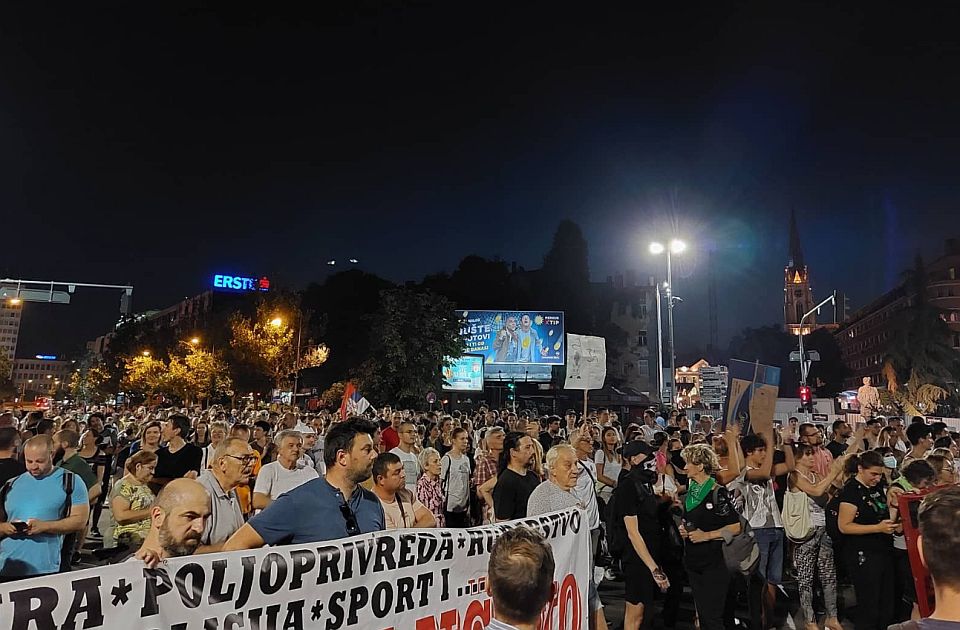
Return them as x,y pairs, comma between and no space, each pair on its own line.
670,501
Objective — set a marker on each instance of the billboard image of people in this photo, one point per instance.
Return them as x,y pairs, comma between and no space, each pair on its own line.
514,337
464,374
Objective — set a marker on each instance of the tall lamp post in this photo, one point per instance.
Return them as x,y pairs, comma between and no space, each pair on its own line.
676,246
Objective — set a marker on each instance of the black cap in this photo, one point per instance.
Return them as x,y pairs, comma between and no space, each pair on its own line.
637,447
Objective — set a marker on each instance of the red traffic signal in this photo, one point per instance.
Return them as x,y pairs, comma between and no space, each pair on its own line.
804,394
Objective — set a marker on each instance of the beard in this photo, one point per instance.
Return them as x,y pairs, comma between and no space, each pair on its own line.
177,548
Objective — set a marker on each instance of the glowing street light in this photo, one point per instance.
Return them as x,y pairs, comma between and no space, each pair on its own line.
15,301
195,341
276,322
676,246
145,353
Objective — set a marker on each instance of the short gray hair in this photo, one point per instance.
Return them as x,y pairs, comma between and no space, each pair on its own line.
425,456
554,454
287,433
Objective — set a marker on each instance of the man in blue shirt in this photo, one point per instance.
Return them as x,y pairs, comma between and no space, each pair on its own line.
327,508
38,515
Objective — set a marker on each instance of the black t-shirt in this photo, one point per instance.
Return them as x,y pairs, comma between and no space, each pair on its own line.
629,500
780,481
836,449
10,468
175,465
511,492
709,516
871,504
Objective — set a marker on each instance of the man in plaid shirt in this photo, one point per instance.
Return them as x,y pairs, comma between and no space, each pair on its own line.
487,466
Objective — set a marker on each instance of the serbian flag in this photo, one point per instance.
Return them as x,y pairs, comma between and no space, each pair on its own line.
353,403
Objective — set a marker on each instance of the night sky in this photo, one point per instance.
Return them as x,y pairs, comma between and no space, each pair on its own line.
157,149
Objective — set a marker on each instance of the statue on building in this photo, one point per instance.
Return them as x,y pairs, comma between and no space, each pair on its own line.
869,399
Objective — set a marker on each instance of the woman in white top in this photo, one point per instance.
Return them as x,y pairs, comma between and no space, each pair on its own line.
815,556
607,460
218,431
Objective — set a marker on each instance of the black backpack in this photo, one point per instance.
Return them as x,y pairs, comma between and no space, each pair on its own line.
617,540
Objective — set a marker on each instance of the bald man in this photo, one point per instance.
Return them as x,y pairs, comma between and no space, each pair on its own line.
177,519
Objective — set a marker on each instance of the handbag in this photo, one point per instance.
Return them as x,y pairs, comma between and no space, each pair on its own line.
796,516
741,553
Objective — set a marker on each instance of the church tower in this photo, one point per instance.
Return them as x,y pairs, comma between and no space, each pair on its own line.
797,295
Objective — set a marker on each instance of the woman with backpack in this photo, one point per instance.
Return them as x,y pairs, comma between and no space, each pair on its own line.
864,520
709,519
813,557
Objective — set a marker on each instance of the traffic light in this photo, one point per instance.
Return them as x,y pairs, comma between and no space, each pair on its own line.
511,391
806,398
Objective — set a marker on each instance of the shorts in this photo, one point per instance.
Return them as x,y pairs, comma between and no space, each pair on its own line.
638,584
770,541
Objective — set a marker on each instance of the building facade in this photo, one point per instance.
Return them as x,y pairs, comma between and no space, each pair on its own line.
631,359
797,292
865,338
11,312
41,375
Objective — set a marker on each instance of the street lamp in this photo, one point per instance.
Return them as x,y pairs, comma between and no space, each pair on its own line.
145,353
676,246
15,301
195,341
276,322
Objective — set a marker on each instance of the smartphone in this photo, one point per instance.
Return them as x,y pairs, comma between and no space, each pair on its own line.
20,526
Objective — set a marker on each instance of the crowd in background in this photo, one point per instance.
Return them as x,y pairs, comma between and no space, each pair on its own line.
670,500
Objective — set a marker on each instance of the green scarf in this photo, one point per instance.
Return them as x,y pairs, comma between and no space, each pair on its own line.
903,483
696,493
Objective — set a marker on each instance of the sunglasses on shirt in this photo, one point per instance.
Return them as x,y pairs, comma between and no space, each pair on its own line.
353,528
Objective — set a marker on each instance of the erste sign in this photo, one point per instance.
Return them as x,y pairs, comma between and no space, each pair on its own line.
240,283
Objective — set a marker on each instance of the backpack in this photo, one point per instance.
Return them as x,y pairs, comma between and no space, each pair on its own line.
742,553
796,516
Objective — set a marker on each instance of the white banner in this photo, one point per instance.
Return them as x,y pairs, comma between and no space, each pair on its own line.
586,362
419,579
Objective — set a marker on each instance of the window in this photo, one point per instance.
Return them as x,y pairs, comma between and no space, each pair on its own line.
956,340
951,273
642,339
639,309
799,312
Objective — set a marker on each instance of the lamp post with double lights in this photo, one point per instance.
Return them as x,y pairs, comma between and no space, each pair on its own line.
675,246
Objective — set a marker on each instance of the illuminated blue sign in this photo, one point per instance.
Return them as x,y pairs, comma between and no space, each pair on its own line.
240,283
47,357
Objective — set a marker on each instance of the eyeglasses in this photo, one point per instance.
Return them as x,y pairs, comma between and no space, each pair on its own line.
351,519
246,459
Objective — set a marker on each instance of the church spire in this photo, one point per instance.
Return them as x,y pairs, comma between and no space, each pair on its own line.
796,253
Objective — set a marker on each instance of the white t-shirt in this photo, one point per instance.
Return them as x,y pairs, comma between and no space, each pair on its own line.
585,491
411,468
274,479
611,470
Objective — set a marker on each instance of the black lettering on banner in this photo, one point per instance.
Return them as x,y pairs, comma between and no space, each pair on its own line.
477,538
272,613
336,610
294,620
445,579
191,597
303,562
364,549
382,599
386,546
575,521
546,524
426,546
217,594
347,553
424,582
211,624
157,584
405,556
358,599
233,621
86,599
404,594
446,546
272,559
24,612
249,563
329,563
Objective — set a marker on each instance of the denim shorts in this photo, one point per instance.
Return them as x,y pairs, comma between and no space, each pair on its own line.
770,541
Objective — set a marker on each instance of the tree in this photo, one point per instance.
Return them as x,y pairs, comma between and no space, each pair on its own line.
199,375
7,388
267,342
90,382
333,395
564,281
920,367
144,375
411,334
769,345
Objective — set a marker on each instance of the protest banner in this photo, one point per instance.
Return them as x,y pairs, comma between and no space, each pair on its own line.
586,362
751,396
421,579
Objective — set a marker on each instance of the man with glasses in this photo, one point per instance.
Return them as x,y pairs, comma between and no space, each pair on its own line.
822,459
407,452
231,467
336,506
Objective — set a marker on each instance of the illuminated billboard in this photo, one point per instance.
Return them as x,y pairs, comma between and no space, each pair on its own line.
464,374
514,337
223,282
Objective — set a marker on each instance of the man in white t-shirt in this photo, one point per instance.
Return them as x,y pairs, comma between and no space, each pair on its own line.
284,474
455,478
407,433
